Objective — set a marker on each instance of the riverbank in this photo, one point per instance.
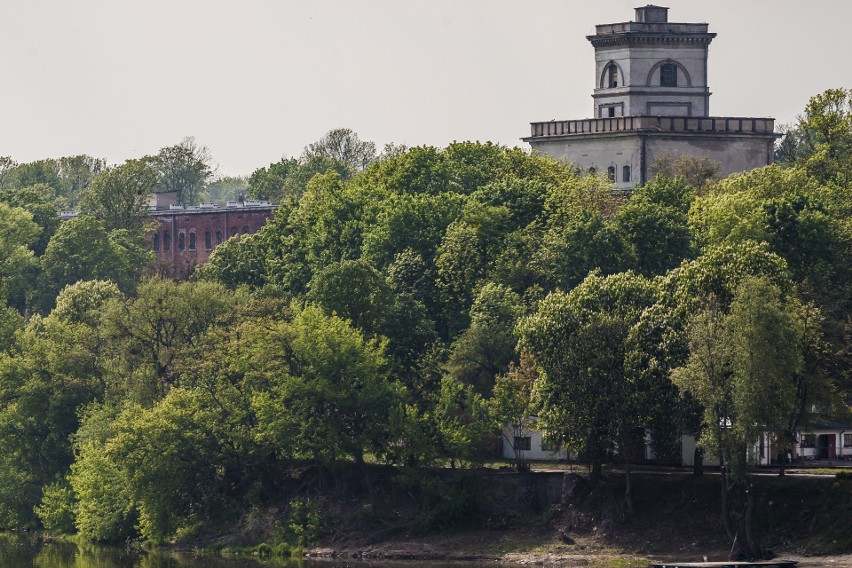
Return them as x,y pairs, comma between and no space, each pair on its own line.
676,517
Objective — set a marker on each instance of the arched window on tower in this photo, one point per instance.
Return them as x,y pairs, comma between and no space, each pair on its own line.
156,242
625,174
612,76
610,173
668,75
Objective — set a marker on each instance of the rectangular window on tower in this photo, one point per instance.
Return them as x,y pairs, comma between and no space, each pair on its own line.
668,75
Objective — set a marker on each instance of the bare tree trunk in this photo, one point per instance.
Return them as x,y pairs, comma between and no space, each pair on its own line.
697,462
628,491
752,547
726,518
365,475
596,472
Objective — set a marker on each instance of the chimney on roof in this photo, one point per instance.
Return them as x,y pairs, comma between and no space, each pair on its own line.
652,14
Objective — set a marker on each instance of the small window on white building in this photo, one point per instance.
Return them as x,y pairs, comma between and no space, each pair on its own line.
610,173
808,440
523,442
847,440
625,174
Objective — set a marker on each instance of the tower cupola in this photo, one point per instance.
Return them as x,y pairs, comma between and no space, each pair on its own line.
651,67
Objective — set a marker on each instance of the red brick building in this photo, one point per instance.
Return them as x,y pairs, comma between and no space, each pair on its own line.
187,236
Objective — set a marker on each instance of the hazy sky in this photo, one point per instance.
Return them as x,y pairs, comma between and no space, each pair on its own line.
255,80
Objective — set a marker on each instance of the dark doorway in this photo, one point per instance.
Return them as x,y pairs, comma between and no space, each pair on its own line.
826,448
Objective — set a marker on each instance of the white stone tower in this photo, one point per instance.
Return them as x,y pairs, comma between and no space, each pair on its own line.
651,99
651,66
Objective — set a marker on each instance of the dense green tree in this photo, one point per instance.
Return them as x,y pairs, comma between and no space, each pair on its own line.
44,212
568,253
82,249
487,347
184,168
464,424
239,261
591,400
173,459
821,141
76,172
57,365
513,406
330,397
270,182
6,165
150,330
119,196
18,266
654,224
742,368
44,173
464,258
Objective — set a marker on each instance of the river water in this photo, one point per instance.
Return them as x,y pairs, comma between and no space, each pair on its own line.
30,551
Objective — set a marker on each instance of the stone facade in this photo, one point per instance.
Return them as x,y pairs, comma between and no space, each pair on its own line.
187,237
651,99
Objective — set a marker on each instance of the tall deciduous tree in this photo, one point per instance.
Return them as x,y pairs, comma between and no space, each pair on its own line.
330,395
513,407
18,266
743,368
343,145
184,168
119,196
590,397
76,172
82,249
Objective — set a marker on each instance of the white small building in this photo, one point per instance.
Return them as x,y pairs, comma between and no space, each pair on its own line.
529,444
826,440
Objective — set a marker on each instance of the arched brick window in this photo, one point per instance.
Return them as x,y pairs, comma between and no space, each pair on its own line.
218,237
192,240
208,240
181,241
156,242
167,241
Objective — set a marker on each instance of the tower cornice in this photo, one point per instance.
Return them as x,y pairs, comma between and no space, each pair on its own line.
639,39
